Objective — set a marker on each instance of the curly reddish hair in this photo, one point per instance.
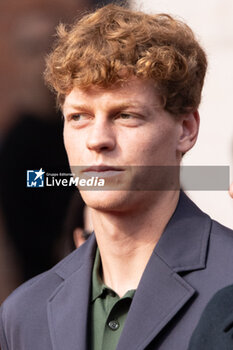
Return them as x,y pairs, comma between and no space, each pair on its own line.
108,46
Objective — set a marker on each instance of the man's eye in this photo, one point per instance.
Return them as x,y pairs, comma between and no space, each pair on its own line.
78,117
125,116
128,119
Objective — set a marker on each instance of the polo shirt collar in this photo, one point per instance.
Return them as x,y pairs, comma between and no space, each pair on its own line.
98,287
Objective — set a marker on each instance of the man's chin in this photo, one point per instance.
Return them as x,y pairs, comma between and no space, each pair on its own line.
107,200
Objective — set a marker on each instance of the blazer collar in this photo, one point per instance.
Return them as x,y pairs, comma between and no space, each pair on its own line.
183,244
182,247
68,306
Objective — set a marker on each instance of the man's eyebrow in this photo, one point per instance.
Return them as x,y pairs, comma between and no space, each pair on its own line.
115,107
84,107
128,105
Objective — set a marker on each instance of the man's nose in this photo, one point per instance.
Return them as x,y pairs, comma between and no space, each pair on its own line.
101,137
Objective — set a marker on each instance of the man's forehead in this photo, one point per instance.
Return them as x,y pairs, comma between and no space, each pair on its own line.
136,93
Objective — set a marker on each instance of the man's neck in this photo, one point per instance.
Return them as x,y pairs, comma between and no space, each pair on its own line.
126,242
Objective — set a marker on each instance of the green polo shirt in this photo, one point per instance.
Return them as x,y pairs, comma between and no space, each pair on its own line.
108,311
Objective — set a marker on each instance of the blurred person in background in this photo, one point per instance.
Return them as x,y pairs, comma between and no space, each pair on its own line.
77,227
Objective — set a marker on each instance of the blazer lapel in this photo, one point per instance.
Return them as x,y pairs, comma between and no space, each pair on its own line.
69,305
162,292
155,303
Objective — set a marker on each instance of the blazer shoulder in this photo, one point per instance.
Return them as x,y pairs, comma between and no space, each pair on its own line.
32,292
19,309
218,228
220,253
37,290
26,309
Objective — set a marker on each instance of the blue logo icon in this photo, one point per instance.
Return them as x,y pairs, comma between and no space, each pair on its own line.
35,178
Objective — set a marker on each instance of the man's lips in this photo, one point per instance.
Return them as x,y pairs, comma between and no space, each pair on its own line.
102,170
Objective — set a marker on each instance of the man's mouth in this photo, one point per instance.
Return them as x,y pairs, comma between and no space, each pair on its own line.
102,171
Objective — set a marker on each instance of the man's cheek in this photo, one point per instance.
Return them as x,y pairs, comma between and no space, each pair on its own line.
69,147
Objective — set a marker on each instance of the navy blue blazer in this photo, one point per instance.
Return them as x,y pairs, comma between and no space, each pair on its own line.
192,260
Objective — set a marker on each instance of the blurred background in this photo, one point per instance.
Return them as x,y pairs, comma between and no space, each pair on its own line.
34,230
36,227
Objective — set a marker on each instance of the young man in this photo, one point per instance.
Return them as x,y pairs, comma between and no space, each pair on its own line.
129,85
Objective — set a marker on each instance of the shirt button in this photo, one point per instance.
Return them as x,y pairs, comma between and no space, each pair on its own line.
114,325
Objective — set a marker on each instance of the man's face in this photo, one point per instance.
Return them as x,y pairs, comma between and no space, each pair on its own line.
120,127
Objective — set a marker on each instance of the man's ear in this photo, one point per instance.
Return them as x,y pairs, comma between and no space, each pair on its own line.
189,131
78,237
